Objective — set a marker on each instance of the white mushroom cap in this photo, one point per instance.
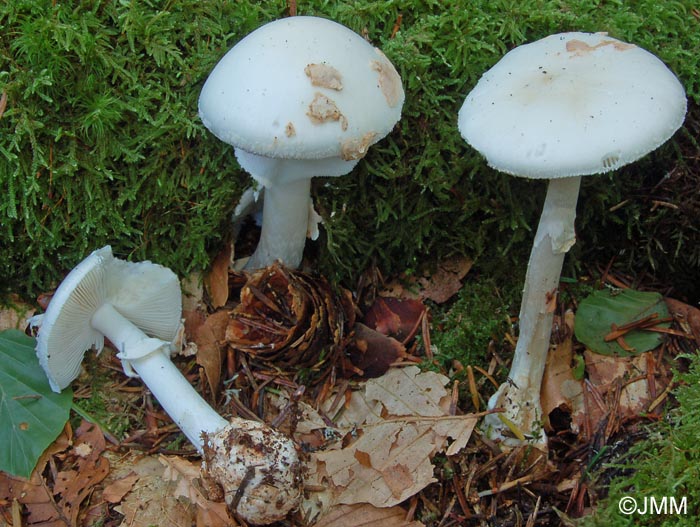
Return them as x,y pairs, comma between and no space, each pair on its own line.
572,104
302,88
66,323
145,293
148,295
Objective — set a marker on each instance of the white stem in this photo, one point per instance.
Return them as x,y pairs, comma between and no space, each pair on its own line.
284,225
520,396
150,358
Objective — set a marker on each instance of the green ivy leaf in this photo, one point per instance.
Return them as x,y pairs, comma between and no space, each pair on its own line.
32,416
597,313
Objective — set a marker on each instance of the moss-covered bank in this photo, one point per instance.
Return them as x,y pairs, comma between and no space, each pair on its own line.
100,140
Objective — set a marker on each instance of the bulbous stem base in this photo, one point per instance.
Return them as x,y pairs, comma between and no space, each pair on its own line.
257,468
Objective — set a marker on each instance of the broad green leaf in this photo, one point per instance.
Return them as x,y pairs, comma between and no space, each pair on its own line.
31,415
597,313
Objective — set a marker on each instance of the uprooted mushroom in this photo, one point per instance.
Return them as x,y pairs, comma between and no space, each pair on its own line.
137,306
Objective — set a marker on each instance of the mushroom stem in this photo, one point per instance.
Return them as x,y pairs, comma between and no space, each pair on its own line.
256,467
520,395
150,358
284,225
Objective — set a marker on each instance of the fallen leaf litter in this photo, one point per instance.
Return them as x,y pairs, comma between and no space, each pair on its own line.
370,445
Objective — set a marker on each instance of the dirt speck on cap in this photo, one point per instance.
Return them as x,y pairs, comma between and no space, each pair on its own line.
322,109
289,130
357,147
580,48
324,76
389,80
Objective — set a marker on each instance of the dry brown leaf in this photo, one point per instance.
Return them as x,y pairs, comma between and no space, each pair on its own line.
216,281
458,428
688,316
373,352
396,317
606,373
367,516
42,511
560,389
408,392
438,286
185,476
395,426
84,468
74,485
209,338
15,314
115,492
34,493
151,501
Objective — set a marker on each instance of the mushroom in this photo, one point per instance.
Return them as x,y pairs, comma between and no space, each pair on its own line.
566,106
299,97
137,307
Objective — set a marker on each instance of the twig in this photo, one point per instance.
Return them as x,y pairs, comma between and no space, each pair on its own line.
461,497
651,380
658,203
507,486
646,322
486,374
616,282
668,331
455,398
660,399
425,331
472,388
447,512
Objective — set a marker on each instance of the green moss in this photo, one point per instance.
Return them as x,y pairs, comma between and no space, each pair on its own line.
101,143
463,330
116,411
667,463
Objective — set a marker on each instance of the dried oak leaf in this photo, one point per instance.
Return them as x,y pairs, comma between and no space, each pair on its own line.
390,433
687,316
210,338
34,493
216,281
115,491
438,286
626,378
186,477
561,390
89,468
151,500
366,515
